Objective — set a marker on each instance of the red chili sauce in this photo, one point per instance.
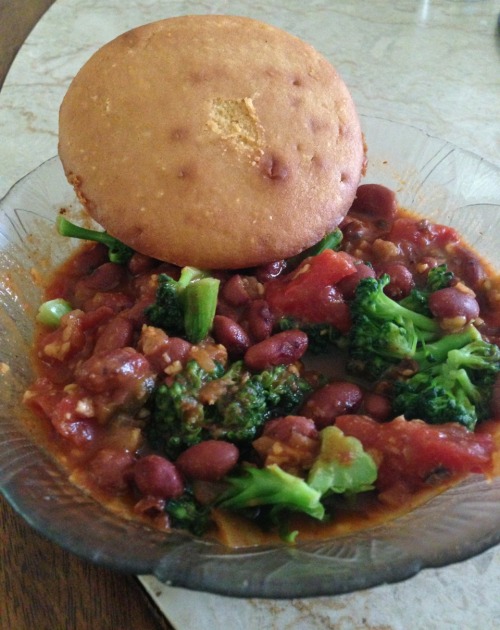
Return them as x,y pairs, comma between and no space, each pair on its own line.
96,371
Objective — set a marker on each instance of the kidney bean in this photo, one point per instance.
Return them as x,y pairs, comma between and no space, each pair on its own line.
377,406
69,423
178,349
470,269
208,461
87,259
235,291
111,469
153,344
158,477
356,230
260,321
106,277
281,429
120,369
231,335
451,302
283,348
270,271
139,263
161,350
117,333
375,201
95,318
291,442
114,300
347,286
401,282
332,400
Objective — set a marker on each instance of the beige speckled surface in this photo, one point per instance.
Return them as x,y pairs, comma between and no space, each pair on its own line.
435,65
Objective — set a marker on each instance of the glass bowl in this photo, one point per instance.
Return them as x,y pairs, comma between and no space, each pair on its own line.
431,177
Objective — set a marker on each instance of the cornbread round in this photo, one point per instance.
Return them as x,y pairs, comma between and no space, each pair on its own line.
213,141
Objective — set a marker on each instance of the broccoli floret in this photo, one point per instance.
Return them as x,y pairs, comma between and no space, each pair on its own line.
438,351
280,491
177,415
248,400
118,252
188,513
342,465
438,278
458,389
383,332
321,337
185,307
233,407
166,312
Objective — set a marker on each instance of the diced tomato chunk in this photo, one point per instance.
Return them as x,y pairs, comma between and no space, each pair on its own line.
411,452
422,233
309,292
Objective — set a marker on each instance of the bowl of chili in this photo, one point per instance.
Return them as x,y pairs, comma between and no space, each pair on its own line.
445,191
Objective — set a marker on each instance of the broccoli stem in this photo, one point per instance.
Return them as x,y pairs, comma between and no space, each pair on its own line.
437,352
189,274
272,486
383,306
51,312
332,240
118,251
200,301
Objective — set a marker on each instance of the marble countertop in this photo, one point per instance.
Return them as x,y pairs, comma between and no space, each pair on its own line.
433,64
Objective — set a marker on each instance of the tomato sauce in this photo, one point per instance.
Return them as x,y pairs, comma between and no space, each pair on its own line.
97,371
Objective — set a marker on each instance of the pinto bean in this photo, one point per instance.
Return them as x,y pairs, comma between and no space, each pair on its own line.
375,201
260,320
452,303
231,335
284,348
401,282
111,468
332,400
348,285
377,406
208,461
158,477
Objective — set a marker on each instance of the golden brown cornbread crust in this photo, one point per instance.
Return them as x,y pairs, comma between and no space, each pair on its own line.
214,141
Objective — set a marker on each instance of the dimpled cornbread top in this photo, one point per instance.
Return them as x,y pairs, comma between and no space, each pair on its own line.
213,141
